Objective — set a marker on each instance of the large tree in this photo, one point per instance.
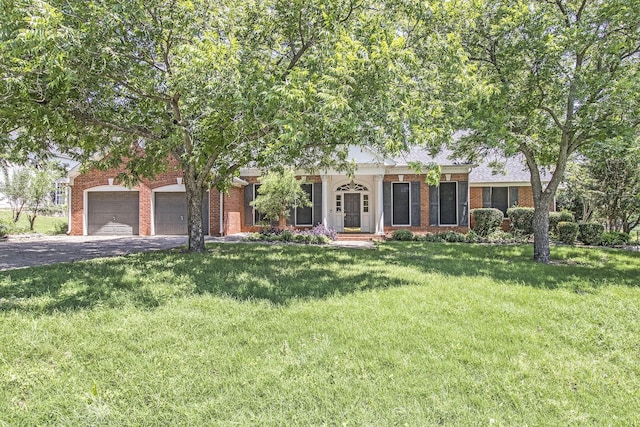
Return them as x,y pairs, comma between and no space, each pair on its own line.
217,85
549,78
605,183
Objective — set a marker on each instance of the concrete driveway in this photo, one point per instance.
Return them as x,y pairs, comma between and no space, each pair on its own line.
23,252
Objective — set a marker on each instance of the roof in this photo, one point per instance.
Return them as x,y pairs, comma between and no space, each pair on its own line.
512,169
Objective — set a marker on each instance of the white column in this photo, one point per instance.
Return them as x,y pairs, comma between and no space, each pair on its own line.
325,200
379,205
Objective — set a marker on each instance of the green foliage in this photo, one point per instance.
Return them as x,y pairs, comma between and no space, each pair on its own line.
615,238
402,235
556,217
278,193
486,220
15,188
590,233
521,219
5,227
28,189
567,232
60,228
216,85
543,84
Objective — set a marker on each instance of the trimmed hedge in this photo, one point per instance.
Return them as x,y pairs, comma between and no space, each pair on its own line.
567,232
521,219
615,238
590,233
557,217
486,220
402,235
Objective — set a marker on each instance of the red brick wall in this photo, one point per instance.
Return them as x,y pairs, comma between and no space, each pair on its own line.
233,210
525,200
94,178
310,179
424,204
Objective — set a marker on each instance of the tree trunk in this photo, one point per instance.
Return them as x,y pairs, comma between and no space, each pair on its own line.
541,248
195,193
32,220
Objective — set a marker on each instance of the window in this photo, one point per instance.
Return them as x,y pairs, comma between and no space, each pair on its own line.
258,217
304,216
401,203
499,198
365,203
338,203
448,203
59,194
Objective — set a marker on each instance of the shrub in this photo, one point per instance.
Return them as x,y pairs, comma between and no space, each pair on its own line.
320,229
320,239
486,220
615,238
453,237
402,235
286,236
253,237
521,219
60,228
432,237
567,232
590,233
4,229
557,217
472,237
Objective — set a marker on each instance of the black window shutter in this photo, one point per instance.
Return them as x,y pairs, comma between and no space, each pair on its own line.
434,204
486,197
248,210
386,202
513,196
463,211
415,203
317,203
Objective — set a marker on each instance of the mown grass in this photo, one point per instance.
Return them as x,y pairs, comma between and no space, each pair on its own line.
43,224
251,334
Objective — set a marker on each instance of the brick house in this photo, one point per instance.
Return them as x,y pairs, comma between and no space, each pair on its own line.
385,194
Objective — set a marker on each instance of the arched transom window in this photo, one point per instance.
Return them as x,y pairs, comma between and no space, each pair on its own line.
352,186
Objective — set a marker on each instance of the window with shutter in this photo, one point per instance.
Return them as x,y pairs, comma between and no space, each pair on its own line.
304,216
401,203
448,203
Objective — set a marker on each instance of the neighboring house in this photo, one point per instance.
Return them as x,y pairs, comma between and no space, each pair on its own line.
385,194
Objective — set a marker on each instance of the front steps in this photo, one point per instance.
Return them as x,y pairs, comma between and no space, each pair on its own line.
362,237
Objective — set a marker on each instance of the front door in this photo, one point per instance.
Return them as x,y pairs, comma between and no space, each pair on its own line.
352,210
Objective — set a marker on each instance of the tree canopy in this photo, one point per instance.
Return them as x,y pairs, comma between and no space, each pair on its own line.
548,79
218,85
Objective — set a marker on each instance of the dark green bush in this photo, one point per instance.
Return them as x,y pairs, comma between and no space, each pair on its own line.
556,217
590,233
431,237
402,235
615,238
453,237
521,219
486,220
567,232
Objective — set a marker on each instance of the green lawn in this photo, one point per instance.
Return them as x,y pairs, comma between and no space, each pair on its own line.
252,334
44,224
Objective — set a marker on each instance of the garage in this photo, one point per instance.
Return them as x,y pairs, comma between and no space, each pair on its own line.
171,213
113,213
